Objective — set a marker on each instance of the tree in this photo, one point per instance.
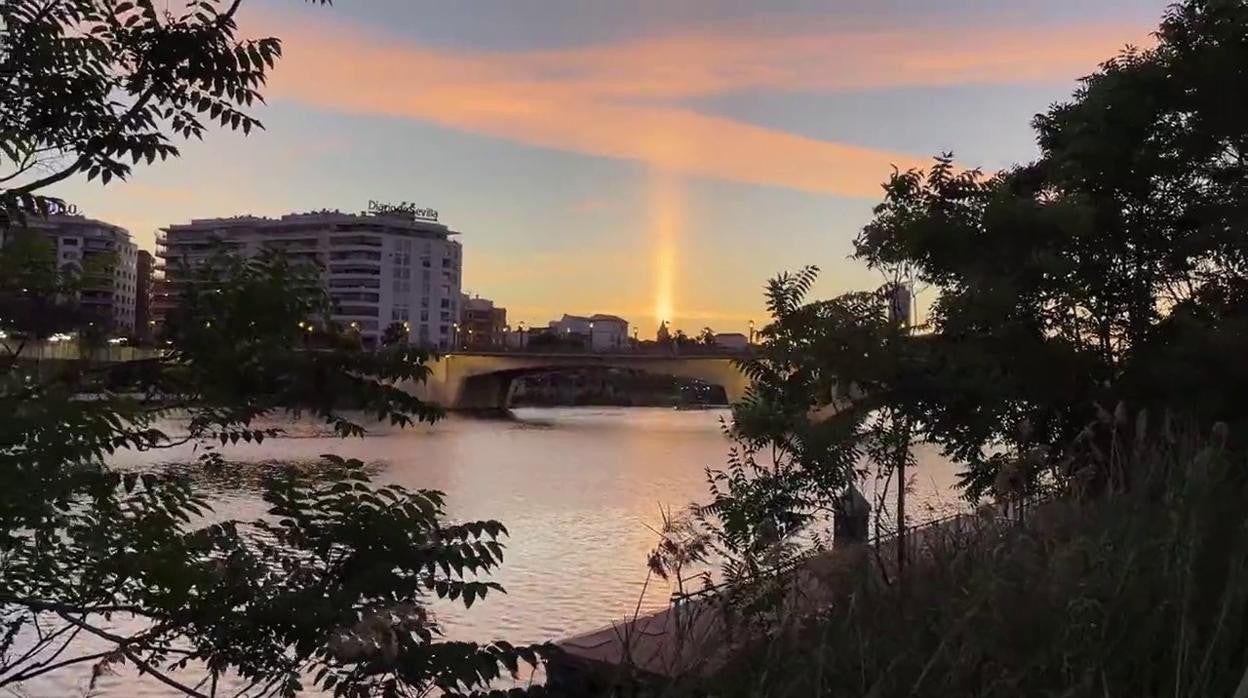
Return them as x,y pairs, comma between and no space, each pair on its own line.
395,333
825,377
707,337
38,299
1102,272
89,84
330,589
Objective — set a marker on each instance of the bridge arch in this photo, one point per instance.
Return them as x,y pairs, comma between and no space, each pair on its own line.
483,381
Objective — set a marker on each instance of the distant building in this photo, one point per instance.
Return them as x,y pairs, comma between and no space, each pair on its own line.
607,332
598,332
482,325
143,276
77,240
396,264
732,340
571,325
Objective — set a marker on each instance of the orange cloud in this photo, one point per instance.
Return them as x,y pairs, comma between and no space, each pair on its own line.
616,100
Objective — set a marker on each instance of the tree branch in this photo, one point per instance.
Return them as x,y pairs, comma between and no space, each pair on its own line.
85,158
53,667
123,644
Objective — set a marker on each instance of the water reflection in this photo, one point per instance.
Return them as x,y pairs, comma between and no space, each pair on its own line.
578,489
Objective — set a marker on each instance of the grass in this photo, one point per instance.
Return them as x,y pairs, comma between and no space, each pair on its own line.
1140,590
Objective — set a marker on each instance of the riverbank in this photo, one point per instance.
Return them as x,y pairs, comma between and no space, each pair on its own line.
1141,591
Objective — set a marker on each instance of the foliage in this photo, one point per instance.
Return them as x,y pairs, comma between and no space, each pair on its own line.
328,590
395,333
38,299
1110,271
554,341
89,84
1112,268
1142,592
802,430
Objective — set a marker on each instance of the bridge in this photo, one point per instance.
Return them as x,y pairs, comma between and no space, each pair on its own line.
483,380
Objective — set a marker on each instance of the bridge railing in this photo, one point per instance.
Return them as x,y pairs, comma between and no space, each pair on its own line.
658,351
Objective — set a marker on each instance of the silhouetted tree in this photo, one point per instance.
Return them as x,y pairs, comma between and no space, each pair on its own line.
1114,267
395,333
331,589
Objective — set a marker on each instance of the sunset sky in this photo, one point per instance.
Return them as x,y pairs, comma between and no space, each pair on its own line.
655,159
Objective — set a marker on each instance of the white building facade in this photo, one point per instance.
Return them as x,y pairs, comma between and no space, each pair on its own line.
602,332
378,268
78,240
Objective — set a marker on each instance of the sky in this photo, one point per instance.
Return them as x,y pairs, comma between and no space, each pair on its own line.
657,160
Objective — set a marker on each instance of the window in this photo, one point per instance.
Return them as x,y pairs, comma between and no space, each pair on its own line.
446,302
69,242
424,316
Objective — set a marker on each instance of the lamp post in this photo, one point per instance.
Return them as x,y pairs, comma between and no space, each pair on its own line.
751,332
523,344
454,335
591,336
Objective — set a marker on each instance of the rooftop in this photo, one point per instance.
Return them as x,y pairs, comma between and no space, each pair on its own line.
395,221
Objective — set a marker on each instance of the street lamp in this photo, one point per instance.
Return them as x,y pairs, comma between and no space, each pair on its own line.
455,335
751,331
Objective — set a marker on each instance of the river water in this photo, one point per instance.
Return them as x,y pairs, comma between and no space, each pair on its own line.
578,489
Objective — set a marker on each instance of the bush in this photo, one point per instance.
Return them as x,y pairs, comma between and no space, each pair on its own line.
1137,592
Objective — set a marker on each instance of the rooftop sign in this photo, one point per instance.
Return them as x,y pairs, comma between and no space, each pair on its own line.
62,209
403,208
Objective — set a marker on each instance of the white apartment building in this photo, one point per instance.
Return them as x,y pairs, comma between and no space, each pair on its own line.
396,266
77,239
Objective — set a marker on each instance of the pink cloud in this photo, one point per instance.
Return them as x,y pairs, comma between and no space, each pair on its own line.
616,100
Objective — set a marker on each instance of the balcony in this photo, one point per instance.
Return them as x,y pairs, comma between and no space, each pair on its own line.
355,241
357,311
362,297
355,270
338,283
355,255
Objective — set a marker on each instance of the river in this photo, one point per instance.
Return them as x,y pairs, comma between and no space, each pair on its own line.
578,489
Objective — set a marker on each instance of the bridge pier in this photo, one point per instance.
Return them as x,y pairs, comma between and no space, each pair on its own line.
490,391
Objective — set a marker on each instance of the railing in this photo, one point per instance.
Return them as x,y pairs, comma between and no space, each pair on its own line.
796,563
632,350
913,536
